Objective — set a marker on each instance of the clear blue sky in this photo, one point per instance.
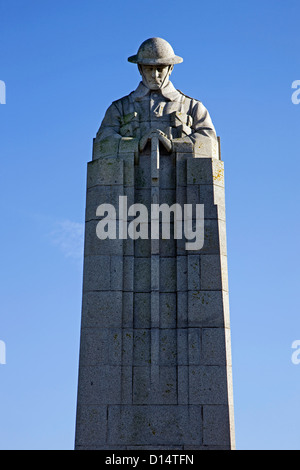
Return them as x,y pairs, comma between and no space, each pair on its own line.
63,63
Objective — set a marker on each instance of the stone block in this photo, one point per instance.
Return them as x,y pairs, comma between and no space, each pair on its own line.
142,274
127,318
127,160
127,346
192,194
128,273
194,346
182,273
167,347
155,359
167,274
129,145
142,247
142,175
205,147
100,346
102,309
154,425
126,384
219,200
167,196
210,239
91,426
208,385
214,346
183,385
193,272
95,196
143,196
141,347
211,276
181,195
128,247
116,272
207,198
142,385
142,310
129,192
182,346
159,388
216,426
95,246
167,310
105,148
96,273
205,171
199,171
155,309
181,170
167,172
105,171
183,145
167,247
205,308
100,385
182,309
103,273
116,191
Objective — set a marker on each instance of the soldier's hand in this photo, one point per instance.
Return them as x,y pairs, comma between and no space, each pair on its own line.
165,140
144,140
161,136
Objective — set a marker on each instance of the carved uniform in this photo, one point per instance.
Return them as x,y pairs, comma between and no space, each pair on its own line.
181,118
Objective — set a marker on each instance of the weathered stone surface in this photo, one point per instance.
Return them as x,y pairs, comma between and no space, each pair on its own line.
205,308
216,426
207,384
102,309
106,172
91,426
156,426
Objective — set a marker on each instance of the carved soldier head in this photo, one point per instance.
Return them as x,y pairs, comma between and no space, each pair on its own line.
155,60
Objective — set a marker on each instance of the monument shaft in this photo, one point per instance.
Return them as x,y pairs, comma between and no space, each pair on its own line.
155,367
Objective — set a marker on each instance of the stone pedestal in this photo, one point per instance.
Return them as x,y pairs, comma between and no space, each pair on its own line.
155,359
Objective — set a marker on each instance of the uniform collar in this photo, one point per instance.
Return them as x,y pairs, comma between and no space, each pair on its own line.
169,92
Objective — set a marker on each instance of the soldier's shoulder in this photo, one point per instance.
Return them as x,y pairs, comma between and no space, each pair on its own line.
120,103
121,100
189,97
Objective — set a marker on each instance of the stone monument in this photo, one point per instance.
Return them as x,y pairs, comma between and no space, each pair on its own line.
155,355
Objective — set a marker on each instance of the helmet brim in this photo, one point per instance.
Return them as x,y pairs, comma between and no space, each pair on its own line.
167,61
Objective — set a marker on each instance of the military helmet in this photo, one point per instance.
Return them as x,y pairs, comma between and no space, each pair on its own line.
155,51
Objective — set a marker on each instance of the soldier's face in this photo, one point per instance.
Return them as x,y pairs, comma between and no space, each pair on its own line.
155,76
